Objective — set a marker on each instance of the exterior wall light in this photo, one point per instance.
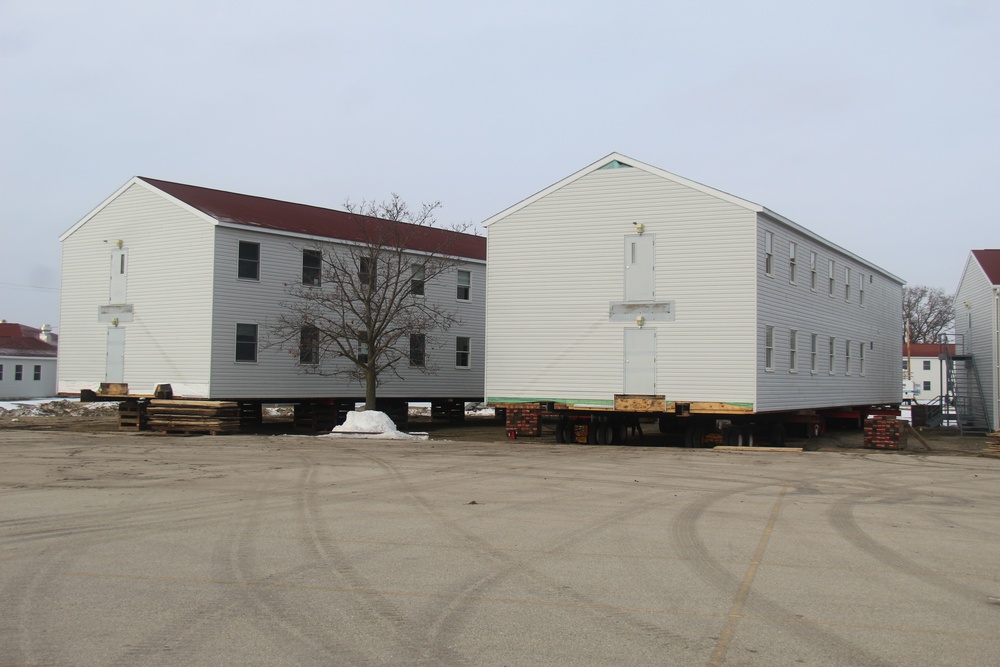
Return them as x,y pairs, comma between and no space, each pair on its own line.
640,321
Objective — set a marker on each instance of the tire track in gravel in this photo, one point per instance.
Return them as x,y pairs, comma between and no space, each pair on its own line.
684,530
470,592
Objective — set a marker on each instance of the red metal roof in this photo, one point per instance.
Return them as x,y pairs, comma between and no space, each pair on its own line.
19,340
285,216
927,349
990,261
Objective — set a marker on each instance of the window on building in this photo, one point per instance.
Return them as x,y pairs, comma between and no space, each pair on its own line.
769,348
362,352
246,342
1,371
309,345
417,280
463,349
814,353
847,283
791,262
906,364
832,279
464,285
366,271
418,350
812,270
18,372
847,357
37,375
861,358
768,253
249,262
312,267
927,364
833,357
927,385
861,289
793,345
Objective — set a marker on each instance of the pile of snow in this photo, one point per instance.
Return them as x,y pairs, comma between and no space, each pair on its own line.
53,407
372,424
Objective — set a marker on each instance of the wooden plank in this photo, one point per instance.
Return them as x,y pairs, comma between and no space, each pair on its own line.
180,402
640,403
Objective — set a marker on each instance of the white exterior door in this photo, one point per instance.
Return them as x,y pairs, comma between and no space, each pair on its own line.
114,369
640,361
639,267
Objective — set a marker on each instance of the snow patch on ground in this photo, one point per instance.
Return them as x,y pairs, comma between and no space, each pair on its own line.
55,407
372,424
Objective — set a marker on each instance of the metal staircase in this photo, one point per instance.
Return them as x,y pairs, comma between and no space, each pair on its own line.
964,388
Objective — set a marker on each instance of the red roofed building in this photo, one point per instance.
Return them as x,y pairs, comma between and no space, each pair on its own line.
166,283
977,331
27,361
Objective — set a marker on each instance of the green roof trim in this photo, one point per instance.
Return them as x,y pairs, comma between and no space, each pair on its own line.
615,164
566,401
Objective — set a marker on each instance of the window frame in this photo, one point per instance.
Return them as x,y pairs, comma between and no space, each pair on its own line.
367,270
18,372
861,359
418,350
463,289
418,280
793,351
308,346
768,349
768,253
812,270
312,275
833,278
243,344
36,372
243,262
847,357
467,352
833,355
792,266
362,352
847,284
926,365
813,353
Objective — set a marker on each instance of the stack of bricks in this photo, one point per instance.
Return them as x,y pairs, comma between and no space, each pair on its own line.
884,432
524,422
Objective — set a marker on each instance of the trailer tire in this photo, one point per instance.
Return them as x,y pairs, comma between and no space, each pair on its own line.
746,436
604,434
693,436
561,430
621,433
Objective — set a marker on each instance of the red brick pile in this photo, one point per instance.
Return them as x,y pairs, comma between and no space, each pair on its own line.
524,422
885,432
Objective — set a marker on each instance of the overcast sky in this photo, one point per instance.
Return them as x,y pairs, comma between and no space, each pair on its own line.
873,123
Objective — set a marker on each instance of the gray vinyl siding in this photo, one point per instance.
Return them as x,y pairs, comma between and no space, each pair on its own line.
276,374
981,340
556,264
787,307
169,277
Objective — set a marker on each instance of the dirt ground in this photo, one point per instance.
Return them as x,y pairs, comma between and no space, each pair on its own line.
103,417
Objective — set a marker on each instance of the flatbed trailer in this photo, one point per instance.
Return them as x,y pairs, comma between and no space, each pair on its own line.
701,424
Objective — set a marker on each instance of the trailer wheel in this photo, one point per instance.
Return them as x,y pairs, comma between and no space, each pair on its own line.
621,433
561,430
693,436
746,436
592,431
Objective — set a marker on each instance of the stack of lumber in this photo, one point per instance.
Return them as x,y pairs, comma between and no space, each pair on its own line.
524,422
192,416
993,441
884,432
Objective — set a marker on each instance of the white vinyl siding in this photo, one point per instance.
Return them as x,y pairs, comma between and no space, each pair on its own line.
549,335
169,269
977,322
787,309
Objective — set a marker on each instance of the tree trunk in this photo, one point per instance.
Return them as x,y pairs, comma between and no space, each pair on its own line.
369,387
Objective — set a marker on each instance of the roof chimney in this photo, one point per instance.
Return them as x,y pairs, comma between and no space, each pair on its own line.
46,333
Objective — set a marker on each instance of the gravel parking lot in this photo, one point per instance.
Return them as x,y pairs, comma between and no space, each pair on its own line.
124,549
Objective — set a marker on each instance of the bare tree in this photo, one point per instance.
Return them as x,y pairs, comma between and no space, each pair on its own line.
927,312
360,310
